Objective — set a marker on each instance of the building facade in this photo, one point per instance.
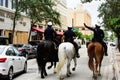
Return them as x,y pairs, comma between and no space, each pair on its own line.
77,17
6,22
61,7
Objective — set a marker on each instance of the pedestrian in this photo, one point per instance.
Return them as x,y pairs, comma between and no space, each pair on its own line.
98,36
69,36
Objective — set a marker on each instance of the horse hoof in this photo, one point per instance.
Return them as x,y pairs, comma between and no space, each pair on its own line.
55,72
95,77
61,78
99,74
68,75
49,67
42,77
73,69
45,74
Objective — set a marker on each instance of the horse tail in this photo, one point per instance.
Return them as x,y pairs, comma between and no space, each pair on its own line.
62,58
91,56
38,56
91,64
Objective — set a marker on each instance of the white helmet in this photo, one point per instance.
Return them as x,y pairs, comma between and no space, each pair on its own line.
70,26
49,23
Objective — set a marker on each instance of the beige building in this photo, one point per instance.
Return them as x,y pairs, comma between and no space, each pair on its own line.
77,17
6,23
61,7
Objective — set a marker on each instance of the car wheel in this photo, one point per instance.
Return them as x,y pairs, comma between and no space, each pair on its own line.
25,68
10,74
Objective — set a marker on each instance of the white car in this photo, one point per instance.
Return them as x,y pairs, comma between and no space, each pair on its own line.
11,62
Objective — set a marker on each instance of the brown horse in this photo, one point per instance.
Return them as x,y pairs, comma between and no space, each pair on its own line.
95,53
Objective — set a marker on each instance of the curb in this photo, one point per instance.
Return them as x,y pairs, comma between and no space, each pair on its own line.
116,65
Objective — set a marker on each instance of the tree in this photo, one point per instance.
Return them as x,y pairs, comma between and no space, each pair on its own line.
17,6
37,10
79,34
110,13
41,11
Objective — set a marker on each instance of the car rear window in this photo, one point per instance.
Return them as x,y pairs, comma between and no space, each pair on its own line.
18,45
1,49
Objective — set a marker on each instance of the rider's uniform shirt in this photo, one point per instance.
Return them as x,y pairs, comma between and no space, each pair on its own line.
69,34
49,34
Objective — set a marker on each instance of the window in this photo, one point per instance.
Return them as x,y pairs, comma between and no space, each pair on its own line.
1,2
6,3
1,49
10,52
13,4
16,52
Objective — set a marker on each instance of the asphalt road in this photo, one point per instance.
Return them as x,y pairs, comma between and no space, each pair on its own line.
82,71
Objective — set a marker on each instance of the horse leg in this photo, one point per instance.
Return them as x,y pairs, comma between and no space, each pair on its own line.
75,63
94,70
50,65
44,70
99,74
54,67
68,68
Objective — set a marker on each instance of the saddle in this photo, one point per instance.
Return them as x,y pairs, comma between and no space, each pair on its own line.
93,41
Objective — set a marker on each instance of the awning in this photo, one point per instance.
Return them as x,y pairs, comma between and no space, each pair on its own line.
37,29
60,33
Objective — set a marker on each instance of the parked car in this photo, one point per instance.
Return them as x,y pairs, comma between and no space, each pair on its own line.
11,62
34,43
28,50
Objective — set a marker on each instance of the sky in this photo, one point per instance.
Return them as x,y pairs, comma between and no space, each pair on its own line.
90,7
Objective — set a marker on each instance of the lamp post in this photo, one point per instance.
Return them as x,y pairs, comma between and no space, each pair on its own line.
72,22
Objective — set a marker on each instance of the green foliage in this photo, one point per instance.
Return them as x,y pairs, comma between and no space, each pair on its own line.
106,35
79,34
112,37
87,37
41,11
110,13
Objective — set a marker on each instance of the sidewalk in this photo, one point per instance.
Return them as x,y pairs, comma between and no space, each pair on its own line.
117,64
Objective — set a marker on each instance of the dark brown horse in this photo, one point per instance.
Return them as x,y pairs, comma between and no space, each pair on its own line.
95,53
46,52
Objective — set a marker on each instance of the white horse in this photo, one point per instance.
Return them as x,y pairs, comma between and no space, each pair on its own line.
66,51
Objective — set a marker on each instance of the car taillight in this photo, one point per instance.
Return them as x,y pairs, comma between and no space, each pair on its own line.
3,59
21,50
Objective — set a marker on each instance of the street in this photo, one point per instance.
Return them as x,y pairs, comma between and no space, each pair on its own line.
82,71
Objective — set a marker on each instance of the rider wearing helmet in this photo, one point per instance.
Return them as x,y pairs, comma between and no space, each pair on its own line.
50,33
69,36
98,36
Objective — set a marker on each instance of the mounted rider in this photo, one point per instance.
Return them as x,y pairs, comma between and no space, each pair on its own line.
98,36
50,33
69,36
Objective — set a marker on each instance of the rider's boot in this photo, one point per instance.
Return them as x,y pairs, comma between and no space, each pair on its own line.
106,54
105,49
77,54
